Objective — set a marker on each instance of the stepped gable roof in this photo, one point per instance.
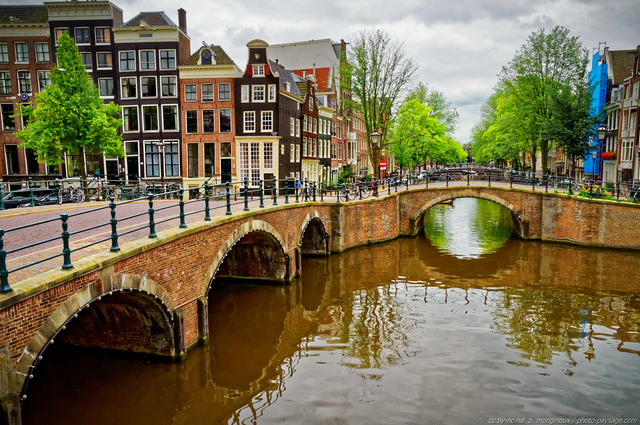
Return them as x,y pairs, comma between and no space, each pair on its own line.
622,63
153,19
285,77
221,56
321,74
30,13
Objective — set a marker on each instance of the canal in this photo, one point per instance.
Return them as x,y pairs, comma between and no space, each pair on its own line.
465,324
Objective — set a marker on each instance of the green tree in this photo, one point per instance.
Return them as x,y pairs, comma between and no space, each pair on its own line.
377,72
70,117
441,109
546,63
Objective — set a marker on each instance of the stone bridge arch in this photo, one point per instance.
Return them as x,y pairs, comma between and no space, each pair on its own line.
520,222
314,238
254,250
146,306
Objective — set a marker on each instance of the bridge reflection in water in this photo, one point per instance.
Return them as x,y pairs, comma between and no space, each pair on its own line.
398,332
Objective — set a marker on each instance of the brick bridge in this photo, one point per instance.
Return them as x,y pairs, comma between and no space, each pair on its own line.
151,297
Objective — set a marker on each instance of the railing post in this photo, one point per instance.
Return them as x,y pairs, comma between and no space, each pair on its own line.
447,177
1,196
490,180
246,194
360,190
152,224
306,190
228,200
274,190
618,191
286,191
138,189
533,181
570,186
297,189
397,182
104,198
510,180
261,194
31,200
590,188
467,174
389,186
408,175
546,185
207,217
114,226
66,251
4,273
376,188
321,192
183,225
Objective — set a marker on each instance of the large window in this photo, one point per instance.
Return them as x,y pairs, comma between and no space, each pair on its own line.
292,126
8,122
169,86
207,92
250,162
22,52
4,53
130,118
128,87
225,120
105,60
224,91
24,82
244,96
150,117
127,61
42,52
103,36
267,121
147,60
5,83
258,70
268,155
170,117
190,92
208,120
209,159
148,87
106,87
167,59
257,93
83,35
192,160
171,159
249,122
272,92
152,159
192,121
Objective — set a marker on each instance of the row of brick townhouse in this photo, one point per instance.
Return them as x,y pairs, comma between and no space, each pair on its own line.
187,117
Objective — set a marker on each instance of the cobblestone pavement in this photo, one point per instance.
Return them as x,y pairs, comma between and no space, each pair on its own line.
33,235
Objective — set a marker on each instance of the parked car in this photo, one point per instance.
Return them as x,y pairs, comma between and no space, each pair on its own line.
49,199
20,197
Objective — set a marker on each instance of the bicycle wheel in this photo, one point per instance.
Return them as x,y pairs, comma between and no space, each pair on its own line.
78,195
366,191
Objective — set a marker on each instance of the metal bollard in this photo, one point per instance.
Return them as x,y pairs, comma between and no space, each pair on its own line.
207,217
183,225
152,224
114,226
66,251
4,273
246,194
228,201
261,194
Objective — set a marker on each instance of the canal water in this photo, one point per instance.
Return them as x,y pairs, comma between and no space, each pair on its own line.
465,324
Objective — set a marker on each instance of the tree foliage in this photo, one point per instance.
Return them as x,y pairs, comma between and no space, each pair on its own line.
70,116
377,72
441,109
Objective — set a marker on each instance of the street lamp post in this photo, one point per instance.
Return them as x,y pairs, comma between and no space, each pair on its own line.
602,133
375,140
593,155
160,146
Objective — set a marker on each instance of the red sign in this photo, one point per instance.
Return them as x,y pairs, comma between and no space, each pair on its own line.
383,165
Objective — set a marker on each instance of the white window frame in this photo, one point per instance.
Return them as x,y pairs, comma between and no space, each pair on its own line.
160,58
141,62
186,123
266,117
75,39
113,88
175,85
19,86
244,94
95,34
98,60
15,48
292,126
57,32
47,52
90,56
4,52
258,70
213,114
124,130
166,154
247,114
177,117
226,91
135,65
272,92
135,82
9,88
195,93
256,89
212,98
297,128
158,117
267,155
142,85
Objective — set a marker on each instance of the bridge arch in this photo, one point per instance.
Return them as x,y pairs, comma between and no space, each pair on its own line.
254,250
519,223
314,239
148,309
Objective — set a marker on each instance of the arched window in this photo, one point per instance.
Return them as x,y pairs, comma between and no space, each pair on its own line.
206,57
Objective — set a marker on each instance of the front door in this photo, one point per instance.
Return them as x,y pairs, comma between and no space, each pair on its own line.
225,170
112,169
133,169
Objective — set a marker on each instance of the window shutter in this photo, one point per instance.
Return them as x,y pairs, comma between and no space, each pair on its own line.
249,70
267,70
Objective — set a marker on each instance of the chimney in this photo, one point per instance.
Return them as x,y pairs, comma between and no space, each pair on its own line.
182,20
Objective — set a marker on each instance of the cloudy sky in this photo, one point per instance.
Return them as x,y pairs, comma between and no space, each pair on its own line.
460,45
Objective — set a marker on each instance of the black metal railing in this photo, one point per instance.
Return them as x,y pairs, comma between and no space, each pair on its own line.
262,193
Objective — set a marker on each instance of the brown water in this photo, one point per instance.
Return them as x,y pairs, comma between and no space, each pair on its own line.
406,332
